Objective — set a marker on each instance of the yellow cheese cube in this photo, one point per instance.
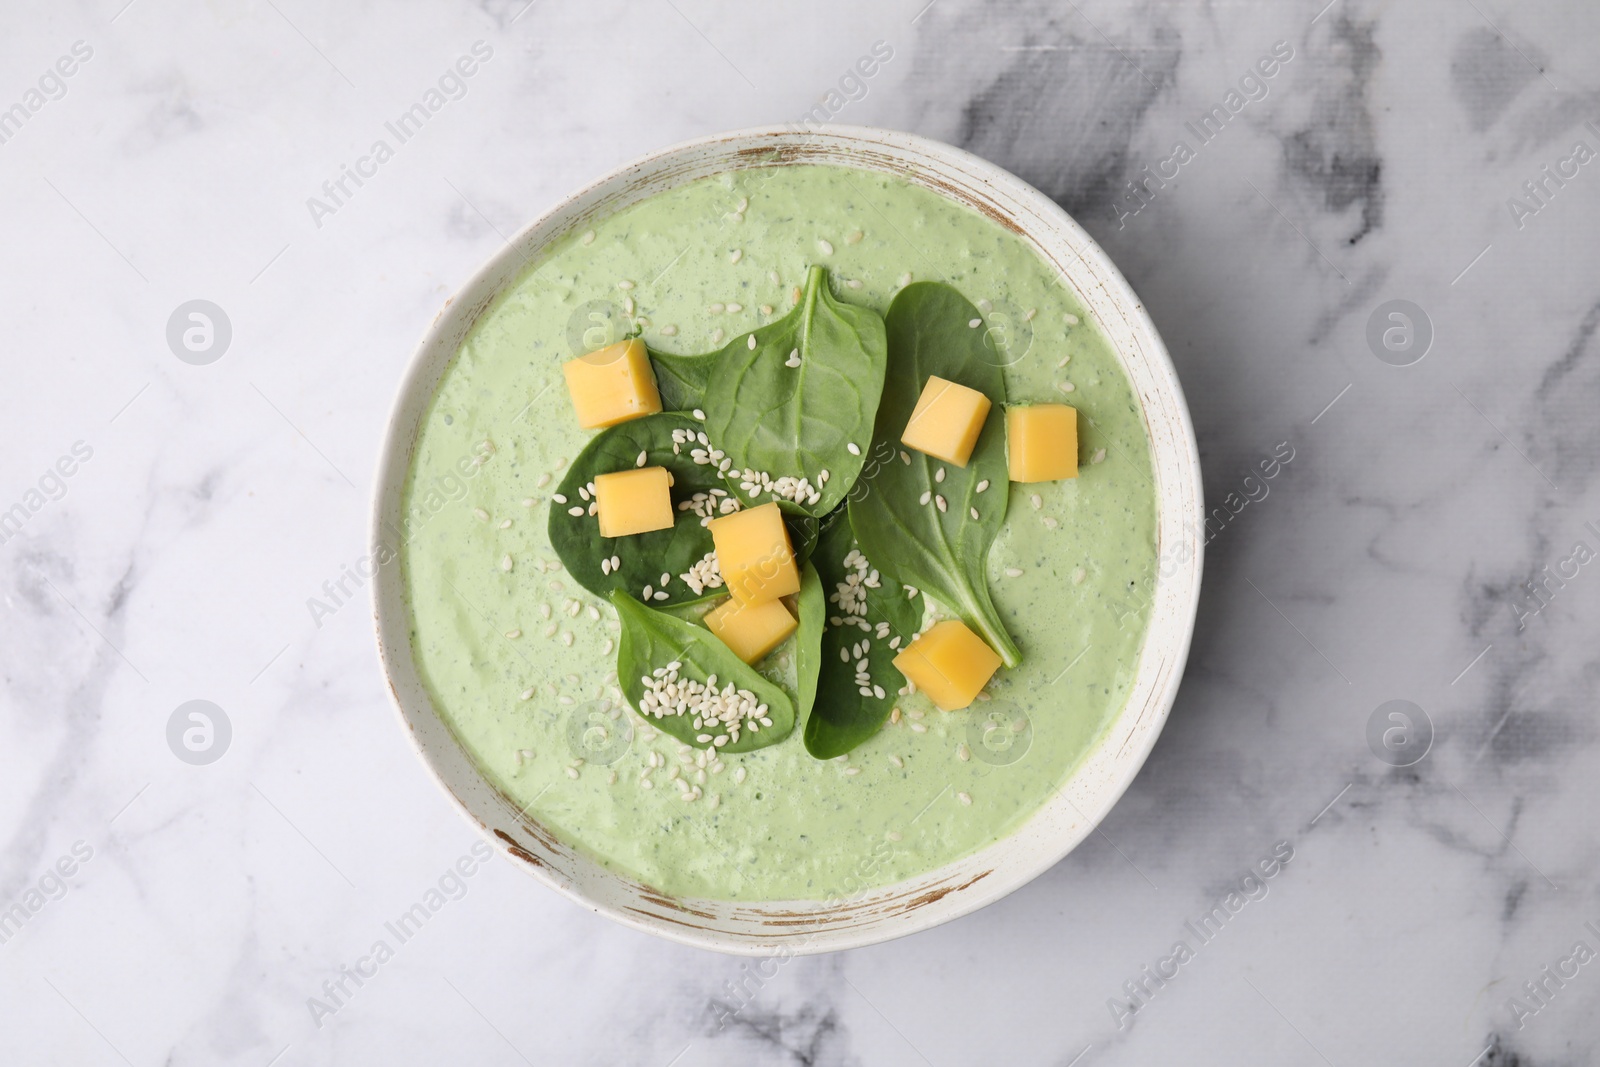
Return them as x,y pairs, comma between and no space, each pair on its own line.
754,554
612,384
751,630
1042,442
634,502
950,663
946,421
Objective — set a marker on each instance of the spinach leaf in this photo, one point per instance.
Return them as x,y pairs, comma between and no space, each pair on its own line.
681,380
942,551
652,639
642,558
843,716
795,404
813,610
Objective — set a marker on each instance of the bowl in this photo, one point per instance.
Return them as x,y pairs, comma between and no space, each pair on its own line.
798,927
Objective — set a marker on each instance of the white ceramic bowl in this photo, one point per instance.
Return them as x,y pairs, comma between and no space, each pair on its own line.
793,927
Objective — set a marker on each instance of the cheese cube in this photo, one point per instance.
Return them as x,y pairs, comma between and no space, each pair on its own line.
612,384
1042,442
946,421
754,554
950,663
751,630
634,502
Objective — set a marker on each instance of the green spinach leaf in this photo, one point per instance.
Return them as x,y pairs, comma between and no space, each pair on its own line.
864,605
652,639
894,509
681,380
801,401
813,610
642,558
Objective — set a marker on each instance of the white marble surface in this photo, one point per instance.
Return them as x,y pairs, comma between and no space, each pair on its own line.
1386,561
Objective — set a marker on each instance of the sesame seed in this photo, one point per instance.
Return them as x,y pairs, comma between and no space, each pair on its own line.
772,276
605,566
527,694
588,237
669,331
965,798
561,461
983,485
904,280
505,562
974,513
605,649
1036,500
566,639
572,772
766,309
894,715
1064,361
1099,456
550,631
625,285
576,511
736,255
701,415
827,249
853,237
558,498
853,448
938,475
627,306
918,728
1065,387
853,283
483,516
750,342
717,335
963,753
1013,572
1070,319
926,496
744,204
661,594
583,491
513,634
877,691
1049,523
1027,316
647,591
985,306
616,563
734,309
852,771
939,500
505,525
897,761
1078,575
643,457
905,458
974,323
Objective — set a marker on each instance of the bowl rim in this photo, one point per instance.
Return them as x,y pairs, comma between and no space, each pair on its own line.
1179,520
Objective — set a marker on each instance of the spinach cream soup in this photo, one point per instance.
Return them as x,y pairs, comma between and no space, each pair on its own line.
521,660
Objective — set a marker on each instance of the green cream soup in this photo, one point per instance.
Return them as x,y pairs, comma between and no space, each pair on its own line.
520,660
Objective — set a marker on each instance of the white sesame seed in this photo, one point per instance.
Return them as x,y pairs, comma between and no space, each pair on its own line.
1099,456
965,798
897,761
1078,575
1036,500
566,639
588,237
572,772
1065,387
625,285
852,771
766,309
974,323
904,280
717,335
576,511
661,594
483,516
666,579
561,461
1069,318
527,694
1027,316
974,513
853,283
963,753
513,634
983,485
647,591
734,309
853,448
558,498
938,475
750,342
669,331
739,775
605,649
1064,361
925,497
736,255
744,205
1049,523
939,500
550,631
605,566
827,249
505,562
1013,572
505,524
643,458
918,728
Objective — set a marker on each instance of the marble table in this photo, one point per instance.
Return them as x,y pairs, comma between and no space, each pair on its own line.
1377,265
